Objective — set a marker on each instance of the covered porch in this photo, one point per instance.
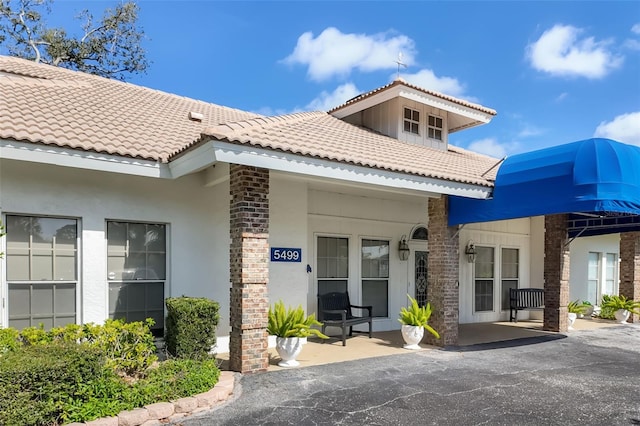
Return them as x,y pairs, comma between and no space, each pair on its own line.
359,346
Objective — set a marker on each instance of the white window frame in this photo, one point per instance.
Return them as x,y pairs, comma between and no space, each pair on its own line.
433,129
503,278
5,282
316,262
411,121
112,279
385,279
494,278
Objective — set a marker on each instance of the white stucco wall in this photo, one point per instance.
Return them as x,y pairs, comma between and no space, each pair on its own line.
500,234
579,252
197,216
357,217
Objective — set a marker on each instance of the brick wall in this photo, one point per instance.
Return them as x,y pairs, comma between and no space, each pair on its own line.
556,273
630,267
249,268
443,274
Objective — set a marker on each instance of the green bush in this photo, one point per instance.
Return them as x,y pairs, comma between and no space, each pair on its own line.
36,380
9,340
191,326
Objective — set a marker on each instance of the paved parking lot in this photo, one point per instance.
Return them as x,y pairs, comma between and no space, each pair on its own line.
590,377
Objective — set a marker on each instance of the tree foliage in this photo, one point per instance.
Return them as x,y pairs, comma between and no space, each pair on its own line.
109,47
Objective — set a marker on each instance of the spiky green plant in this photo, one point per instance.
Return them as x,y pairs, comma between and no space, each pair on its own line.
576,307
418,316
290,322
614,303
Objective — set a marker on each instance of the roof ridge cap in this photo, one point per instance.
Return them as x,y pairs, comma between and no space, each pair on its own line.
231,130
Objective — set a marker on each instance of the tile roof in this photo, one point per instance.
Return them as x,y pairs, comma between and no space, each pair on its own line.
401,82
320,135
48,105
54,106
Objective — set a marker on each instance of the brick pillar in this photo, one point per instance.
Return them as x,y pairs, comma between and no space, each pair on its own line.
443,274
630,268
249,268
556,273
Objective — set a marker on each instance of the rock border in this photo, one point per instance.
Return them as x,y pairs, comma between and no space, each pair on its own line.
162,413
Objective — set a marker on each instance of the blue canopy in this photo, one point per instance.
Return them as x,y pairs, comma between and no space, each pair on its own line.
596,177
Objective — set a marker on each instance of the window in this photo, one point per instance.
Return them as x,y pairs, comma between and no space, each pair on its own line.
434,127
136,268
509,274
412,121
611,269
42,270
332,264
484,279
593,274
420,233
375,276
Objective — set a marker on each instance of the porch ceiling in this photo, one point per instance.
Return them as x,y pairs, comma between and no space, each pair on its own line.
596,180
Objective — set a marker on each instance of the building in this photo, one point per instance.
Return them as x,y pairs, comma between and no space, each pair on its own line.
116,196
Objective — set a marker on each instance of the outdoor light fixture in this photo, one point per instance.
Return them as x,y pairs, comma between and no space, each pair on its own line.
403,248
470,251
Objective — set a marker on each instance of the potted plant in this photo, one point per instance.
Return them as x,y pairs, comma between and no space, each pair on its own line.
588,308
574,309
414,321
291,328
621,306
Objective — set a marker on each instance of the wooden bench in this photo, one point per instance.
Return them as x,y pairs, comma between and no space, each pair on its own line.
334,310
525,299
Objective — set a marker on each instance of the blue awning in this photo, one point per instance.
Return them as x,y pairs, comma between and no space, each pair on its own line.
596,177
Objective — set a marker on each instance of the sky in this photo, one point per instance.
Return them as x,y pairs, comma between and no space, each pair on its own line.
555,71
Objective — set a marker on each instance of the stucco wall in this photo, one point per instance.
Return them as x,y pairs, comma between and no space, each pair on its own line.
198,237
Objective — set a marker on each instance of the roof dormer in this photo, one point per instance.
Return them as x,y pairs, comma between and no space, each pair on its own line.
412,114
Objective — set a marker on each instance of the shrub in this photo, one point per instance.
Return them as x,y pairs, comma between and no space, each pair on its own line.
129,347
9,340
191,326
36,380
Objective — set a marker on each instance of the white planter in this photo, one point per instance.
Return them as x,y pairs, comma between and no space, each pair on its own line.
412,335
289,348
622,315
572,319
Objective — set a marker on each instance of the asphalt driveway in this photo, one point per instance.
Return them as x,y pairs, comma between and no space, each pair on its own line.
586,378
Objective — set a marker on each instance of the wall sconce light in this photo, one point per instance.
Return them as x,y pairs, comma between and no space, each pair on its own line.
470,251
403,248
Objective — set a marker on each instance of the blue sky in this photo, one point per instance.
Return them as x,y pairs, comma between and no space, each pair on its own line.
556,72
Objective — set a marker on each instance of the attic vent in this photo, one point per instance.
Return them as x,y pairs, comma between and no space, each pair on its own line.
196,116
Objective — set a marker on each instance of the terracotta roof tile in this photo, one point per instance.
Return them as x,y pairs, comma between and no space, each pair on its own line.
320,135
55,106
400,81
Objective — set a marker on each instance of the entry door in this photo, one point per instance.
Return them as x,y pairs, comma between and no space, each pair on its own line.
420,276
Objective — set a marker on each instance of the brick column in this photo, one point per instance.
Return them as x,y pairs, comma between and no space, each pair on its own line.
630,268
443,274
556,273
249,268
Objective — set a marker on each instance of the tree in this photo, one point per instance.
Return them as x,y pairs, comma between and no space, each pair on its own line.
109,47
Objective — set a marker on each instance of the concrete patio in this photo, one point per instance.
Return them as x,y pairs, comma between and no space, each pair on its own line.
359,346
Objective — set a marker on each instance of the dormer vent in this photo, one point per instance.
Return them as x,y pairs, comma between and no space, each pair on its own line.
196,116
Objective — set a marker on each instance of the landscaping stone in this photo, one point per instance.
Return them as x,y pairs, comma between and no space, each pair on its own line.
185,405
105,421
160,410
133,417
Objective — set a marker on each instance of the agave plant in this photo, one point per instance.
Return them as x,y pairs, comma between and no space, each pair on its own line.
417,316
290,322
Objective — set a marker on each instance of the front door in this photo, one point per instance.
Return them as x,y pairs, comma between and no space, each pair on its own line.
420,276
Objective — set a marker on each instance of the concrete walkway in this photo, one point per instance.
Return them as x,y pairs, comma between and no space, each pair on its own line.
589,376
359,346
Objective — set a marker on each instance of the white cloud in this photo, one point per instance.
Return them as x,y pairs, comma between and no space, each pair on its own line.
636,29
428,80
560,51
623,128
491,147
333,53
325,101
561,97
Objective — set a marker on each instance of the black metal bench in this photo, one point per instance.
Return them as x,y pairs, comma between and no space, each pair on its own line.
525,299
334,310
